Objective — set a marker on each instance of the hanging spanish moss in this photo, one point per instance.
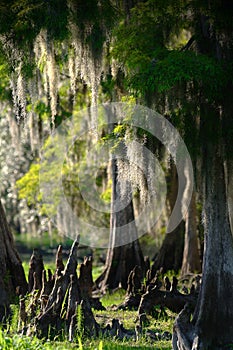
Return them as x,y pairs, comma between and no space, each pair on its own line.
35,92
52,79
89,69
41,66
14,129
123,176
72,73
18,87
86,37
33,131
40,52
45,58
138,165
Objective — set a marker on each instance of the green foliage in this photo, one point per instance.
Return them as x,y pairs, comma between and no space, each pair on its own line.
166,56
152,65
107,85
177,67
24,20
28,185
5,93
94,19
107,194
42,110
148,32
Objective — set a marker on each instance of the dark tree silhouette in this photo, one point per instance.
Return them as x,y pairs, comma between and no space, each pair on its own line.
12,277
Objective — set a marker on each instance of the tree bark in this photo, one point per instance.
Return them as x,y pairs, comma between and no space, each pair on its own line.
217,286
171,251
170,254
121,257
12,277
229,179
212,323
215,304
191,260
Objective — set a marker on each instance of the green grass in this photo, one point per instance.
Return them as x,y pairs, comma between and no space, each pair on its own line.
10,339
96,271
49,265
111,299
14,341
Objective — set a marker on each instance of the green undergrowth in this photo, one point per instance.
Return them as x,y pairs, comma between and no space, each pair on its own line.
11,339
15,341
97,271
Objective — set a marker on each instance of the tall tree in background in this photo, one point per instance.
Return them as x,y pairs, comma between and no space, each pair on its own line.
12,277
169,256
121,257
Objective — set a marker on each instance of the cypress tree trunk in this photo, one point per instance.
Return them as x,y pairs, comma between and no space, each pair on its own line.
229,180
212,324
170,254
11,271
215,306
121,257
191,260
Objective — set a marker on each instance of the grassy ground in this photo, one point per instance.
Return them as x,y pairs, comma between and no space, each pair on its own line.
10,342
10,339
